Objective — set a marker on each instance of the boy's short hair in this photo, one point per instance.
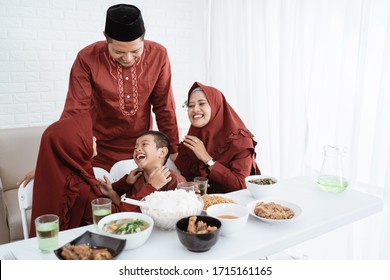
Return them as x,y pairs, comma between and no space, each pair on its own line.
161,140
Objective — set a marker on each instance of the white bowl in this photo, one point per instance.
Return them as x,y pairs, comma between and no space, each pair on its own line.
232,216
187,204
133,240
260,191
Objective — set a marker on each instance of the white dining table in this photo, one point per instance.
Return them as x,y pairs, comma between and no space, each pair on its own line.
322,212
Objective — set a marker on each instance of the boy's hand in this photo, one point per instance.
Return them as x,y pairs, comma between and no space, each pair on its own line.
160,177
134,175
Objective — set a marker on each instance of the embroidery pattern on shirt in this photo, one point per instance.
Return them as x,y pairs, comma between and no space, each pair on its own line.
110,64
140,62
133,95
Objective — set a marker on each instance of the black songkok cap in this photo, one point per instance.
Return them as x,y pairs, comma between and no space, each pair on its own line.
124,23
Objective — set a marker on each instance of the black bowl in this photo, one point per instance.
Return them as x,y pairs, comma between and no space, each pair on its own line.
198,242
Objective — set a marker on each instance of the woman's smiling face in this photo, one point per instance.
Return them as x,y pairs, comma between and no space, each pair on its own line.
199,110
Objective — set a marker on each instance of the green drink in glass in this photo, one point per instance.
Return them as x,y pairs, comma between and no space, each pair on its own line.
47,228
99,214
101,207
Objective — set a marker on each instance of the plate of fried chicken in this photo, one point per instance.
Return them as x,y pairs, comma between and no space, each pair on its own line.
91,246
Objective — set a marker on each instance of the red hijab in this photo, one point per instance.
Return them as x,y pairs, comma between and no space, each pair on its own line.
224,136
64,178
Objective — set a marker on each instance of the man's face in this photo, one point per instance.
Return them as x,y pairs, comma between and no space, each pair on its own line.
126,53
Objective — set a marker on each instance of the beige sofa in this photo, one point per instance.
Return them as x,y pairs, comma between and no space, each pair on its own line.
18,154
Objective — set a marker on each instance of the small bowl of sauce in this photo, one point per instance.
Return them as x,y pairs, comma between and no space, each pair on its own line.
232,216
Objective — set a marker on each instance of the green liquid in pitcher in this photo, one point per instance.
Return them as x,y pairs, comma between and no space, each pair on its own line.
331,183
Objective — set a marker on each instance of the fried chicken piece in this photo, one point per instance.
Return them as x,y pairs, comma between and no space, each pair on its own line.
101,254
191,228
199,227
211,229
83,251
68,254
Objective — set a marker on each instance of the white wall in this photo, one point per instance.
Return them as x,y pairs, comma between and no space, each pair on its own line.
39,41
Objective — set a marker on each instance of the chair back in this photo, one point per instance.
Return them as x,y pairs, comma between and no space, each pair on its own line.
100,173
172,166
121,168
25,203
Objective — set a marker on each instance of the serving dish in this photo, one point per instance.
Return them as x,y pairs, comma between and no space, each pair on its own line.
294,207
113,245
133,240
198,242
232,216
261,190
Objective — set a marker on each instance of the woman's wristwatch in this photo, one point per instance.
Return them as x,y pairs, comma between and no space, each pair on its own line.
210,162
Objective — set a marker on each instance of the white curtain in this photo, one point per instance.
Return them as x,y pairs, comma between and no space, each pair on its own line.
306,73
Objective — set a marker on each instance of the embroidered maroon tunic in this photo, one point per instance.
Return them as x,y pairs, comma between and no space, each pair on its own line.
120,99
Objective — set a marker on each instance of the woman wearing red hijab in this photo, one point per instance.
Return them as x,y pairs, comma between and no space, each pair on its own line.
64,181
217,145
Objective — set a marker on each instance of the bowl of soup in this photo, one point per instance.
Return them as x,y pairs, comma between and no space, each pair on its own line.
133,227
232,216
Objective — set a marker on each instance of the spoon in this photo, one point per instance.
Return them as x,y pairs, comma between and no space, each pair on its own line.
167,204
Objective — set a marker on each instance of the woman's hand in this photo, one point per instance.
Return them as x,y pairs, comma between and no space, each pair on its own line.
197,146
27,178
107,190
105,186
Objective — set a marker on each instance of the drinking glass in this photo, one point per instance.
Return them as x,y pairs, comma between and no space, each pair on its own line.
101,207
47,227
187,186
202,184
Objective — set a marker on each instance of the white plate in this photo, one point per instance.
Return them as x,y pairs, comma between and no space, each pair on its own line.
297,210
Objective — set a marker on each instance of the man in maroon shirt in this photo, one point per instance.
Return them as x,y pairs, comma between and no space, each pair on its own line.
120,81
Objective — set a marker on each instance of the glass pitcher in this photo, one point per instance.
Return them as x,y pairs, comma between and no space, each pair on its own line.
332,177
